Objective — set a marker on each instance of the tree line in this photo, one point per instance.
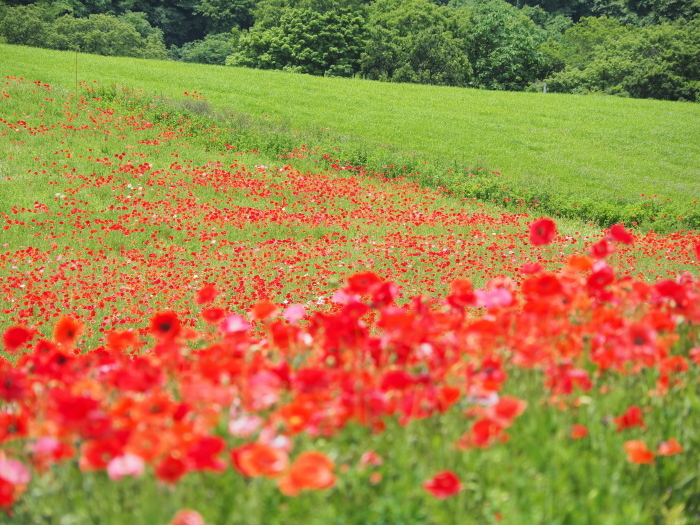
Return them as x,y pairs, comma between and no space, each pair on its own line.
635,48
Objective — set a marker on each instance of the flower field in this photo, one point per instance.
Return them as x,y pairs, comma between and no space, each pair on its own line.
271,340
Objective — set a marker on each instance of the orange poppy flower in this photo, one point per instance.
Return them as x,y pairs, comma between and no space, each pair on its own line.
259,459
121,340
67,331
310,471
669,448
264,310
637,452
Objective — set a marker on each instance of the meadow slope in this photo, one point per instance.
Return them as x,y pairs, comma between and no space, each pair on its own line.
586,149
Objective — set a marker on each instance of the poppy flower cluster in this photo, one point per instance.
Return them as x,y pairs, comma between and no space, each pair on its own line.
128,409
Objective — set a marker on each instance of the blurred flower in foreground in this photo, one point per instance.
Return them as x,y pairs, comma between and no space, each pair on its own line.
443,485
637,452
187,517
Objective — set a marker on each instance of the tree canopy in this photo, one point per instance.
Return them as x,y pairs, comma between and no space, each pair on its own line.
636,48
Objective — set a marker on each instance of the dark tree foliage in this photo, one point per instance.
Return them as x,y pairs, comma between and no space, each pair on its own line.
213,49
222,16
574,9
129,35
503,44
178,19
644,12
411,41
603,56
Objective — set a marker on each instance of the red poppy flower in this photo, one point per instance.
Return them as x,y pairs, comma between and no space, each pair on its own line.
170,470
13,384
637,452
67,331
619,234
600,279
165,325
213,315
361,283
542,232
461,293
206,294
202,454
443,485
631,418
16,336
506,410
530,268
601,249
694,355
7,494
578,431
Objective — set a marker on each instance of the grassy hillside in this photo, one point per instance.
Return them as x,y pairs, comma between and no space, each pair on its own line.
582,150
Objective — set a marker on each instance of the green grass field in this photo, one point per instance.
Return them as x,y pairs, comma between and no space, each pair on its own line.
579,151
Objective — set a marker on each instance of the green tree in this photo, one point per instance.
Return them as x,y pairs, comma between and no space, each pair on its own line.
574,9
657,61
502,43
578,44
644,12
25,25
306,41
103,35
412,41
433,56
223,15
213,49
268,13
178,19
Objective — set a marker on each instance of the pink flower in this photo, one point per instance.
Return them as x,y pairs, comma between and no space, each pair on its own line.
294,313
244,426
14,471
126,465
235,323
46,444
494,298
187,517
